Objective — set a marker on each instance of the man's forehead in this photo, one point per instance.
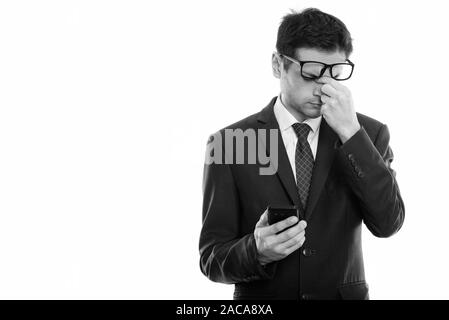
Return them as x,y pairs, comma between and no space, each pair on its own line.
328,57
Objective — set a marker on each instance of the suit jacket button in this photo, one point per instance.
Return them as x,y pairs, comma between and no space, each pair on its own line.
308,252
305,297
351,157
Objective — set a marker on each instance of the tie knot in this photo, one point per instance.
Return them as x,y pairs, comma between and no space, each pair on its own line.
301,130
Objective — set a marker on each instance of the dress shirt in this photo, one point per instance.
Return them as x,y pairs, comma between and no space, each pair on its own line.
285,120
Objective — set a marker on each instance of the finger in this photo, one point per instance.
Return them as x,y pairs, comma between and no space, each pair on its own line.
281,225
324,109
295,247
328,100
325,99
329,90
334,83
291,232
324,80
263,220
294,240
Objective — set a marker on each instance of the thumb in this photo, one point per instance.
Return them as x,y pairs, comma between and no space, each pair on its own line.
324,109
263,220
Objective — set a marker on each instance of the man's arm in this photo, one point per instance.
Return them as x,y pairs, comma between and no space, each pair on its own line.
367,168
226,256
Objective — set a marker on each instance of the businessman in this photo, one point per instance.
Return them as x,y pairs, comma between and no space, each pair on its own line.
332,163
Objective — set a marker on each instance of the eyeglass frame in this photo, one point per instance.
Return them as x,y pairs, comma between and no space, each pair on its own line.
326,66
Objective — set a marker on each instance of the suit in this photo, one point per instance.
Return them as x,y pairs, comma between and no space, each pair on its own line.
351,183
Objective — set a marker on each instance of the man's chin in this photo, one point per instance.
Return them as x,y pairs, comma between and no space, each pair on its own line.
314,112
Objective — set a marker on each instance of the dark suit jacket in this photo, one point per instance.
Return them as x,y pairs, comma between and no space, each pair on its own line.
351,183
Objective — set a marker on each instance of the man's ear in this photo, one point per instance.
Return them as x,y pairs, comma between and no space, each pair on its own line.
276,65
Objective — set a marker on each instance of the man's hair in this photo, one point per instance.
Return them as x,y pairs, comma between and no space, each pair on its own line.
314,29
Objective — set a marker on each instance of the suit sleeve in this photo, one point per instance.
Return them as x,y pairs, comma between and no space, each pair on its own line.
225,255
367,168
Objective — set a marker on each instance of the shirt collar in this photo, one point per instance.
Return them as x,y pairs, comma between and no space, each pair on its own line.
286,119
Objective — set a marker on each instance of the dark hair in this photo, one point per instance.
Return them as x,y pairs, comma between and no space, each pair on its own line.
312,28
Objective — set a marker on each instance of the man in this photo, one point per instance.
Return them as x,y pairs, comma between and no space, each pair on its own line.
333,164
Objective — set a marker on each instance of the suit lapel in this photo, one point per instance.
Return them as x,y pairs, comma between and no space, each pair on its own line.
284,171
324,158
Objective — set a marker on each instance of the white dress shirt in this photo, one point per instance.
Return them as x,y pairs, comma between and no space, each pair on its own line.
285,120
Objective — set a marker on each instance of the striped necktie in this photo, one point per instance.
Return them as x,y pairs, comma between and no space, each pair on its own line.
303,162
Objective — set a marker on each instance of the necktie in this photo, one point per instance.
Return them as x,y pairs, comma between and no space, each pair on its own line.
303,162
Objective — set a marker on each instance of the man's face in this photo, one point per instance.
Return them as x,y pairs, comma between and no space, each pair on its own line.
300,96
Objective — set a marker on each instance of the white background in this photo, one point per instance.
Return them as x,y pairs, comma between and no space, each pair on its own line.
105,110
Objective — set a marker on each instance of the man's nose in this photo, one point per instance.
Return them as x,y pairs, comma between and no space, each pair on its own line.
317,89
327,72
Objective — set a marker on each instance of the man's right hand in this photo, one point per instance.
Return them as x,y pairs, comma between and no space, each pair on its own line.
272,246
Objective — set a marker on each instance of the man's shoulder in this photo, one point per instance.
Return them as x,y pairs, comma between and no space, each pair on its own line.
251,121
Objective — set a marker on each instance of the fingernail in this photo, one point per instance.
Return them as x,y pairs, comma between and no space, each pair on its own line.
304,224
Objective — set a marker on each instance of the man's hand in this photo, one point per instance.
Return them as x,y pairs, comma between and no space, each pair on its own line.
338,108
272,246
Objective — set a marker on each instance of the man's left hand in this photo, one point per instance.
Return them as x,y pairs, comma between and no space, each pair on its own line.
338,108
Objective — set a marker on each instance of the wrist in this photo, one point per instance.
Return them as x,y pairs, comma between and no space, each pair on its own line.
347,134
263,261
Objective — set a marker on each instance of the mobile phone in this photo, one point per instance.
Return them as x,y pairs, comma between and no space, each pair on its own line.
276,214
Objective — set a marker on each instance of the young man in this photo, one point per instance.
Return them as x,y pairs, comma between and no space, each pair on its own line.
331,162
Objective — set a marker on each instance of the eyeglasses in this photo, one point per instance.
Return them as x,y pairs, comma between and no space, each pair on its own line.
313,70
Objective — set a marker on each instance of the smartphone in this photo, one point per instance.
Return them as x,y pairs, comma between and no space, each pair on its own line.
276,214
